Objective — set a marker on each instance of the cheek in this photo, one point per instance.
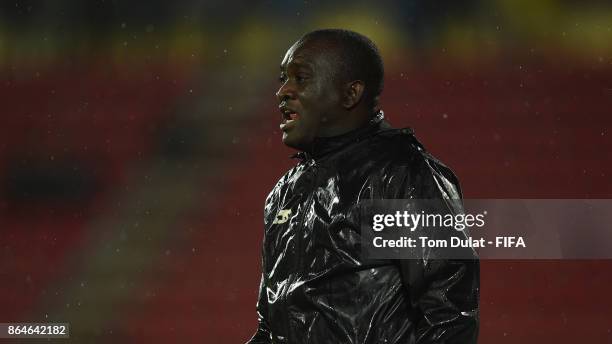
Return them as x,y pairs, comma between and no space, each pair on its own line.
320,99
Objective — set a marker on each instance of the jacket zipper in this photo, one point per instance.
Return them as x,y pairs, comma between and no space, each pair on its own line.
307,206
299,263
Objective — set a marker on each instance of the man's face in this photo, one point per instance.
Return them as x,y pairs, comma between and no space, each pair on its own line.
310,95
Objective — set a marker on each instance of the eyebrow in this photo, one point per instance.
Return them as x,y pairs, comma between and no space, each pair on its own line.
298,64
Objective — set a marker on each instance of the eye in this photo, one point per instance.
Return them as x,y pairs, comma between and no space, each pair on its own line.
300,78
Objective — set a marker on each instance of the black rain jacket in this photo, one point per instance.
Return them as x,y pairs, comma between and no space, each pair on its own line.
315,286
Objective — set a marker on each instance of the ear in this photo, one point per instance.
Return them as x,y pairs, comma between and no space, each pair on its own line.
353,92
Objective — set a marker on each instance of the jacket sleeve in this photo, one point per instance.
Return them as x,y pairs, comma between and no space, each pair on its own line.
445,292
263,334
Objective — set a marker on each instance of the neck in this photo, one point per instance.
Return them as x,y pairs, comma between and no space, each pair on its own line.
323,145
349,122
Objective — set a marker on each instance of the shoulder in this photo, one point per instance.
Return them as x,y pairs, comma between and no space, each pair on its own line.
281,185
404,157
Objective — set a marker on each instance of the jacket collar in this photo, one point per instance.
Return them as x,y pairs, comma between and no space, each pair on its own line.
322,146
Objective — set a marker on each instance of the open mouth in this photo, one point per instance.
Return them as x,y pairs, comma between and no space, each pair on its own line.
289,118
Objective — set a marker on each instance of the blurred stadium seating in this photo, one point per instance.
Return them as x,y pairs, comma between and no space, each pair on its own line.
138,143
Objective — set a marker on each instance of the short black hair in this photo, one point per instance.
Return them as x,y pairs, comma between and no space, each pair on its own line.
359,60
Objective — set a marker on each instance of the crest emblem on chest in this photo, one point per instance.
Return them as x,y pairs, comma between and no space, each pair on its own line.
282,216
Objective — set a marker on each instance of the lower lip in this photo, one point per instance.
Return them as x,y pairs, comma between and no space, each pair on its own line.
288,124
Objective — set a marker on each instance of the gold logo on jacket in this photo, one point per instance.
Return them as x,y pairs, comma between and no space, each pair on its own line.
282,216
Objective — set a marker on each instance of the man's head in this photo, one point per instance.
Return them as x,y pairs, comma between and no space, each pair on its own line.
330,83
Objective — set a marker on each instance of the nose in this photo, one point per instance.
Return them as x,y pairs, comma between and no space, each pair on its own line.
285,92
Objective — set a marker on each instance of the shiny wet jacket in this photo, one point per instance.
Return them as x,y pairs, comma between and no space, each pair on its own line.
315,285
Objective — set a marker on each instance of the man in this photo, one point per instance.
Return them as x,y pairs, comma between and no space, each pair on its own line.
316,287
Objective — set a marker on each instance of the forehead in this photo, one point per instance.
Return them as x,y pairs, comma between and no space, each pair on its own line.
309,54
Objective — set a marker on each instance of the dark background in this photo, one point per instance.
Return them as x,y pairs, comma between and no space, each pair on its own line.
139,139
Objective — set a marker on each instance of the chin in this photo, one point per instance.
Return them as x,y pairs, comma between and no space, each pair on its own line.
295,141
